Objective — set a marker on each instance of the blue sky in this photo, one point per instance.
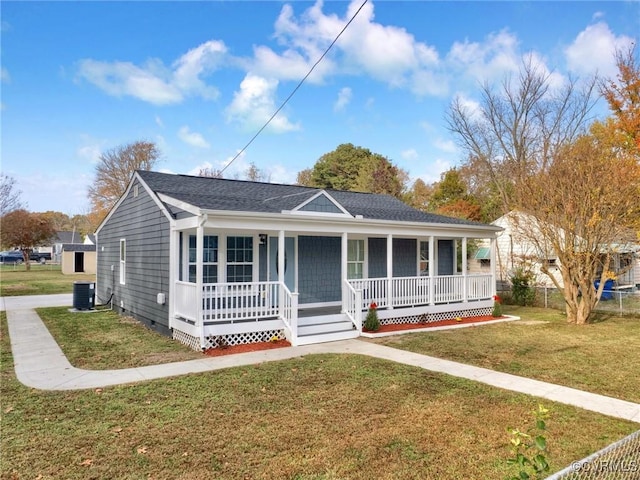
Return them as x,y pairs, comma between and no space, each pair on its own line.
201,78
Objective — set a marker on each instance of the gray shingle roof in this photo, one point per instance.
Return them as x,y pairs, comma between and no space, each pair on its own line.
240,195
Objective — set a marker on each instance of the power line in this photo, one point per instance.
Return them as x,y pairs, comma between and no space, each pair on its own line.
295,89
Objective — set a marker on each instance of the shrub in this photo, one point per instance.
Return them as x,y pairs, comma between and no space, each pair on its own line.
497,306
523,287
371,322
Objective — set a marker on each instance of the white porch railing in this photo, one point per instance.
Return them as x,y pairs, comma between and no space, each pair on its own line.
290,314
353,304
479,287
231,303
417,291
224,302
186,301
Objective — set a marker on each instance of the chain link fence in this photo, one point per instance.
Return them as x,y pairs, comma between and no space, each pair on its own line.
619,302
618,461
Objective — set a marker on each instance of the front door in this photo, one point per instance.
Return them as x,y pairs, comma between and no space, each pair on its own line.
289,261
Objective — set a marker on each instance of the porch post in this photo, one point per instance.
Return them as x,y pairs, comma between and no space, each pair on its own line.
432,271
493,261
281,270
174,265
465,292
344,247
199,269
390,271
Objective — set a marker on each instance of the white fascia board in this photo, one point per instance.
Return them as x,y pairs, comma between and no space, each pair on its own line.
270,222
187,207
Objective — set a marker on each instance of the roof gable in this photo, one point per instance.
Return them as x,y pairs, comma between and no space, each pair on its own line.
321,203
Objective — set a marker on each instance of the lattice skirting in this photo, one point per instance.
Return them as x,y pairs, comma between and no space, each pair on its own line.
437,317
215,341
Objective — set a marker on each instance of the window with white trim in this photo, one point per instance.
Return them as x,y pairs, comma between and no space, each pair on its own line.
123,260
355,259
239,259
424,258
209,258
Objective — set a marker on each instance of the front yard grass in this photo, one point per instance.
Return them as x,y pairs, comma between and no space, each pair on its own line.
318,417
601,357
47,279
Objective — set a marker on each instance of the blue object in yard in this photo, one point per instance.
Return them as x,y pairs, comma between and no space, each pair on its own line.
607,292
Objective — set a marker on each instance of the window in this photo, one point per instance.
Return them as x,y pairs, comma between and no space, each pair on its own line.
123,260
424,258
355,259
239,259
209,258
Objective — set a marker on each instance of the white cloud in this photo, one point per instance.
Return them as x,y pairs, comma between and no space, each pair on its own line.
254,104
386,52
126,79
409,154
159,121
492,59
192,138
594,49
153,82
4,75
90,149
196,62
445,145
434,171
344,98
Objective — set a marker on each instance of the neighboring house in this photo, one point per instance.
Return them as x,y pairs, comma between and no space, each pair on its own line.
78,258
513,248
63,238
212,261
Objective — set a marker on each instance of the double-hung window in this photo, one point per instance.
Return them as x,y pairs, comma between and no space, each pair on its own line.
424,258
209,258
239,259
355,259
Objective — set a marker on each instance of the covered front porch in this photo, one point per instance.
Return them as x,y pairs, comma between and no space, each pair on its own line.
231,285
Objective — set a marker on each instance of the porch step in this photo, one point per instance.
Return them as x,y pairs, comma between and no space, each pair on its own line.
327,337
325,328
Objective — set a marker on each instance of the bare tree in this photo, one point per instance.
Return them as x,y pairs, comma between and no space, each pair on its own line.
9,195
254,174
114,170
518,128
210,172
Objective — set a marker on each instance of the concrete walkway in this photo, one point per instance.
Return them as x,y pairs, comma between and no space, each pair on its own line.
40,363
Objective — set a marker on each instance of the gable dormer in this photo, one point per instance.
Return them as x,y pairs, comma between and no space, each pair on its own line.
322,204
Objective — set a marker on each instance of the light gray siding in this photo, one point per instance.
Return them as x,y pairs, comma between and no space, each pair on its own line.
141,223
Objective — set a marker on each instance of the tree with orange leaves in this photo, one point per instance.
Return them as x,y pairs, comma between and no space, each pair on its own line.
623,96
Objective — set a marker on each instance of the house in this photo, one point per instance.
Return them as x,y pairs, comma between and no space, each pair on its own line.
212,261
514,248
63,238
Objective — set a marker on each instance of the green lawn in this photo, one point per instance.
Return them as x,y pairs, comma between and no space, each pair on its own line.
40,280
600,357
314,417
